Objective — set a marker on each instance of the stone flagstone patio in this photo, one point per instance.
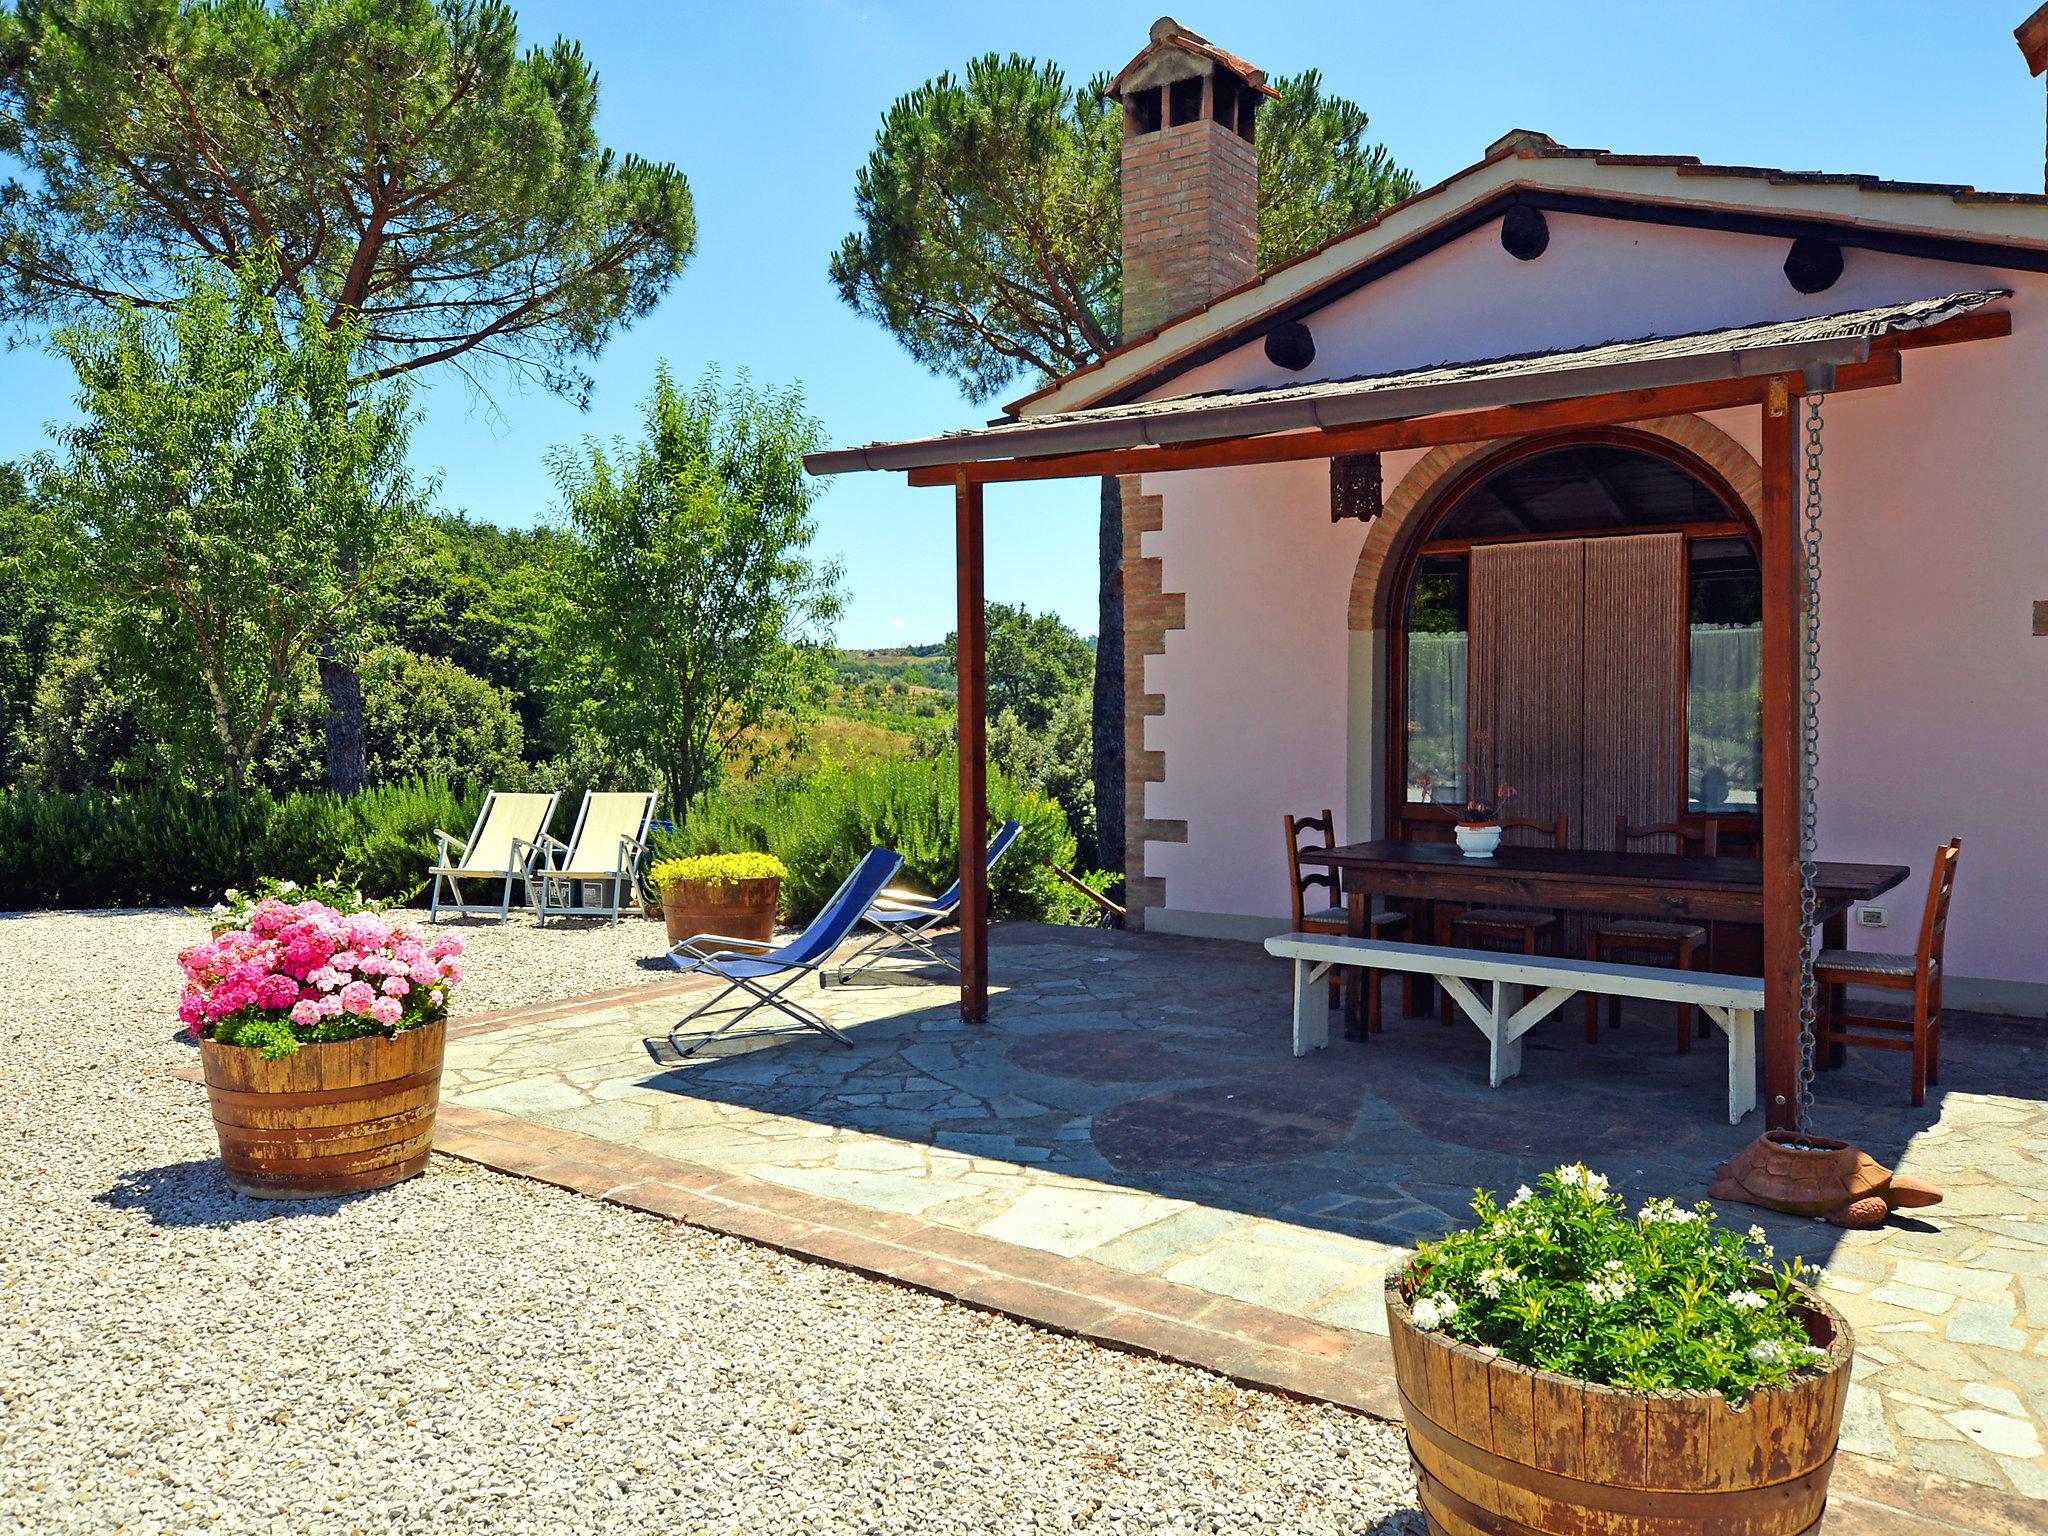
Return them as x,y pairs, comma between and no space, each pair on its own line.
1132,1110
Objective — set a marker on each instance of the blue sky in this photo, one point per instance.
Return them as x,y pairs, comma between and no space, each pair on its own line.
771,108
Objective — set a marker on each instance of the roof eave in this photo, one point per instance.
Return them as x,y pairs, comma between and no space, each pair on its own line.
1254,419
1144,362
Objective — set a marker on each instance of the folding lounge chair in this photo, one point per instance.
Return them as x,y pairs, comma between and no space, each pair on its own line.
501,847
904,920
610,837
765,977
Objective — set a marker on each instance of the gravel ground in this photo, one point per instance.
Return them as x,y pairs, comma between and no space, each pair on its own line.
470,1352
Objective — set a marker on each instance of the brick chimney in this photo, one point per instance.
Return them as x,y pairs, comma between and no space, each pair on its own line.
2032,36
1190,175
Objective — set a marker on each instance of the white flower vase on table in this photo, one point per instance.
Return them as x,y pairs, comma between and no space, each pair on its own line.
1478,839
1478,830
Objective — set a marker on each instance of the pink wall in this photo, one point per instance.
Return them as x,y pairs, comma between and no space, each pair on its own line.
1935,720
1255,684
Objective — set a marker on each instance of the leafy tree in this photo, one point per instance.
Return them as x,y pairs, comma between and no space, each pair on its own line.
33,619
228,493
481,597
694,611
989,238
1054,761
420,176
426,718
1318,174
988,245
97,725
1035,663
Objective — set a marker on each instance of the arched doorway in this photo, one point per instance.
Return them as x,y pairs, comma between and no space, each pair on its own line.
1579,616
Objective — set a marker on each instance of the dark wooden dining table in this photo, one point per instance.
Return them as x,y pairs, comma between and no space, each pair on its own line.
1583,880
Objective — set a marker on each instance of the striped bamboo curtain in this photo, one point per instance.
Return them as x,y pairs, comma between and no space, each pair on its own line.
1527,692
1578,677
1635,684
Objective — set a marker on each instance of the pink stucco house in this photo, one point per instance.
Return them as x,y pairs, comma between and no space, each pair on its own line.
1513,472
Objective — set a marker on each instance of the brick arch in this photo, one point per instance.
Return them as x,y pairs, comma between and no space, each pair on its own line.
1415,500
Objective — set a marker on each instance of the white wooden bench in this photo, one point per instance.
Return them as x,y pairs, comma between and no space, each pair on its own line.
1503,1016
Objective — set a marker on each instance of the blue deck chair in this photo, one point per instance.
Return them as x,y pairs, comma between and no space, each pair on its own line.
764,977
903,920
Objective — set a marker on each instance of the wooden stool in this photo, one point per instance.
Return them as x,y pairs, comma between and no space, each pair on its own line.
1672,943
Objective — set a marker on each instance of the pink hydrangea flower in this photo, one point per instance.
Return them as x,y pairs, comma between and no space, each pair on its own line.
276,990
308,963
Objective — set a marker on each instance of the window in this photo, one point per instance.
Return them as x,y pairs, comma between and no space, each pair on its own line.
1436,681
1583,490
1724,706
1586,488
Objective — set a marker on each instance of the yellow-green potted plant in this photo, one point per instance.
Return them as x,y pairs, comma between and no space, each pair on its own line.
1568,1366
735,894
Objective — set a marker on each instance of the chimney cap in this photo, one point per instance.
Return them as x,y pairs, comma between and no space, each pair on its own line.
1525,138
1155,63
2032,36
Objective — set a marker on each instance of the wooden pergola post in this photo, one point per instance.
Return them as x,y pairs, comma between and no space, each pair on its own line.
971,712
1783,557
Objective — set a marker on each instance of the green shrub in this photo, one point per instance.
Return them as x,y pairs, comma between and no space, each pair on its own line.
820,823
186,848
1563,1279
426,718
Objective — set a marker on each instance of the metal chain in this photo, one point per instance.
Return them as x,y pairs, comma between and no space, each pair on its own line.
1809,756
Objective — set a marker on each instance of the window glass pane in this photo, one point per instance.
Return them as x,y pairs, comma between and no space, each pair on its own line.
1436,682
1724,686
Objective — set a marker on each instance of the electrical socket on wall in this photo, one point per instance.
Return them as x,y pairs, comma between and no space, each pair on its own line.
1872,917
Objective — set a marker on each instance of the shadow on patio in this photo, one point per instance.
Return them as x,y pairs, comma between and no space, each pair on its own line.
1133,1103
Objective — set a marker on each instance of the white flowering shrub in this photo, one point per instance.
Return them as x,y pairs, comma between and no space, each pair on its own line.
1564,1279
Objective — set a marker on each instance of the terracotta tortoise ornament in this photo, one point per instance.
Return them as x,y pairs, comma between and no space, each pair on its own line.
1818,1176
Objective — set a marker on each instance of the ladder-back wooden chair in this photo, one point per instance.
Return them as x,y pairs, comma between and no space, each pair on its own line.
1919,973
1515,928
1319,903
1651,940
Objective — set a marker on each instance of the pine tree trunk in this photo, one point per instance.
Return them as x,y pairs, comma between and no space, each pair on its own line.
1108,752
348,764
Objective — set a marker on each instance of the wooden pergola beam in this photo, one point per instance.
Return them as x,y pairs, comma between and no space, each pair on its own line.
1881,369
970,652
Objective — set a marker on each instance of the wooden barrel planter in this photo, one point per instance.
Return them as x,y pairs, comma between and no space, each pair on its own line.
740,909
330,1119
1500,1449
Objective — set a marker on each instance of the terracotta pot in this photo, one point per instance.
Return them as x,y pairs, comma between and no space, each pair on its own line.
1499,1447
330,1119
739,909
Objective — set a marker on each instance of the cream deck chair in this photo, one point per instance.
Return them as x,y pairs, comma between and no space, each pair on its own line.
607,845
501,847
